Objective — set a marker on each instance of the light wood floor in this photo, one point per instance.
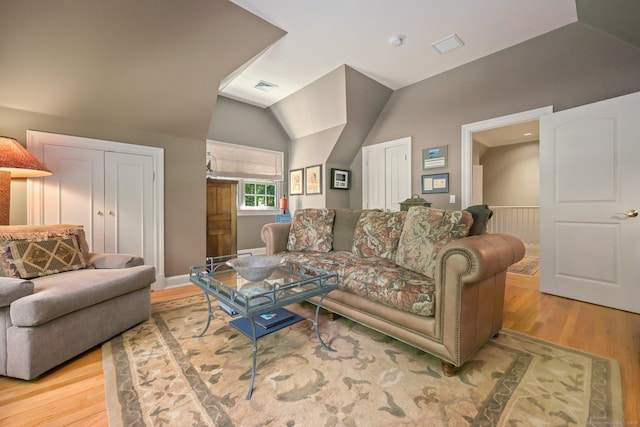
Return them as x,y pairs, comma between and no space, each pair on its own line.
73,394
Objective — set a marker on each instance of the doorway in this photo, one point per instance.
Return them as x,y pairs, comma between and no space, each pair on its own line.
507,178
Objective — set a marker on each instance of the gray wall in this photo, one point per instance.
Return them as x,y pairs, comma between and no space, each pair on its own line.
239,123
511,175
184,206
568,67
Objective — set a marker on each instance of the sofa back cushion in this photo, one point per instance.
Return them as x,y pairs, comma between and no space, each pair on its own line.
377,234
311,230
343,228
426,231
32,251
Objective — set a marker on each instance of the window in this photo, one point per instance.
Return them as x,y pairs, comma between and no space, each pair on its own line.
259,194
258,172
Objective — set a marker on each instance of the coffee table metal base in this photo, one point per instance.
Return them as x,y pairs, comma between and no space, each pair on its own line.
253,333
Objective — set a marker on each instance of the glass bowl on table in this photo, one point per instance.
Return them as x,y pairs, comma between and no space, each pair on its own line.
255,268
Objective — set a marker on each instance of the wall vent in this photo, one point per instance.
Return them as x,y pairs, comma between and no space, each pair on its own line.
265,86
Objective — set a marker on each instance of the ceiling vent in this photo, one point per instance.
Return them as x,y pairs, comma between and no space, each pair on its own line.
265,86
448,44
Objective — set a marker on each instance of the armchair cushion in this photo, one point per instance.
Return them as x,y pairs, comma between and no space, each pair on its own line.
426,231
311,230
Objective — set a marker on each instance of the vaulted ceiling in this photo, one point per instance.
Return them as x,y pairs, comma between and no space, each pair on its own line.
157,65
154,65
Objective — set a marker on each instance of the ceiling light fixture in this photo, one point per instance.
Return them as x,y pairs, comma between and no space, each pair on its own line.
397,40
447,44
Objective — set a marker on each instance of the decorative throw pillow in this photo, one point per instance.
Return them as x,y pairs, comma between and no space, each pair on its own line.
426,231
29,258
311,230
377,234
41,232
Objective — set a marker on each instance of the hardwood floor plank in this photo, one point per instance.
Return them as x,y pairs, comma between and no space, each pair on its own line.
73,393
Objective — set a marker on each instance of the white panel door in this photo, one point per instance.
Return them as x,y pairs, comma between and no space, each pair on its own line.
74,194
129,204
397,176
374,182
589,237
386,174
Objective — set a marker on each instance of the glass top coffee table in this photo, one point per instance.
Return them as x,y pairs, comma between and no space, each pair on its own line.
261,303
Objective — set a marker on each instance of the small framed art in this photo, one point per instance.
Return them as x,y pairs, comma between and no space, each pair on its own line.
436,183
296,182
313,179
434,157
340,179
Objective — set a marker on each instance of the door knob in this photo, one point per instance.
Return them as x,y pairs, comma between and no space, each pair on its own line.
111,213
99,213
631,213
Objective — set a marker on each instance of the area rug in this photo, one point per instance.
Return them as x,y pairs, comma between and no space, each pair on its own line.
528,266
158,374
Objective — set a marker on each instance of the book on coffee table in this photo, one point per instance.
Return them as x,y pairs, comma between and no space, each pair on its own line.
273,318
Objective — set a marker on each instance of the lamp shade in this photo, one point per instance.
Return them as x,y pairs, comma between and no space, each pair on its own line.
15,159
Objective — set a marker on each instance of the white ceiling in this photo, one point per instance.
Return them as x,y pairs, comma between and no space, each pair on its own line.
325,34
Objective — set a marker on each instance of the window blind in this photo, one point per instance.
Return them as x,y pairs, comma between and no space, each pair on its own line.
239,161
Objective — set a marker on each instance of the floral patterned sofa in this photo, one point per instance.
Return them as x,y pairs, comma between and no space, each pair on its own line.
429,277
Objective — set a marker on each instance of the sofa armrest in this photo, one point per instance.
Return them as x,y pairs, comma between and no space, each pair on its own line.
275,236
108,260
484,255
470,284
12,289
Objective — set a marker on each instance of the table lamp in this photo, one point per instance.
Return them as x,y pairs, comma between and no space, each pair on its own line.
15,162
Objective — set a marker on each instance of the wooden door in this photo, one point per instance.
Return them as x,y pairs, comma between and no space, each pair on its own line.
221,217
589,195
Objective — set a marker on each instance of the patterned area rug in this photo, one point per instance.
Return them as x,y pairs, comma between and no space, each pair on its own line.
528,266
158,374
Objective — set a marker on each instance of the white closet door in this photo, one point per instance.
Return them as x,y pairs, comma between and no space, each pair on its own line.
129,204
74,194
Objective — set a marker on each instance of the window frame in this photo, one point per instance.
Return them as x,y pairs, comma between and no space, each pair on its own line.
258,210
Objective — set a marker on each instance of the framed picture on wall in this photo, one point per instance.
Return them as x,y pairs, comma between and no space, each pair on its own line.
296,182
313,179
340,179
435,157
436,183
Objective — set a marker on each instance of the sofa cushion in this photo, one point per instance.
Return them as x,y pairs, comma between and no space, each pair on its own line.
311,230
377,234
376,279
63,293
29,258
426,231
343,228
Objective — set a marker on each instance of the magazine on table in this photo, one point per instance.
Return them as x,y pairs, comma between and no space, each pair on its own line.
273,318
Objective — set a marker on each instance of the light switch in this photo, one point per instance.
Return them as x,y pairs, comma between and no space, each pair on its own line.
452,198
